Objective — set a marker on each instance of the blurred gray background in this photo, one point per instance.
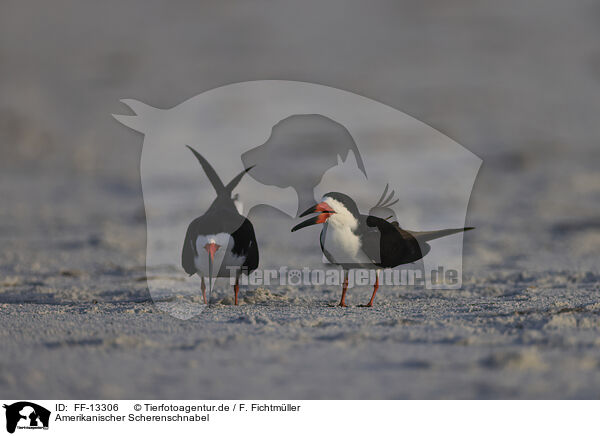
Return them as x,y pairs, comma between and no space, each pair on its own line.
517,83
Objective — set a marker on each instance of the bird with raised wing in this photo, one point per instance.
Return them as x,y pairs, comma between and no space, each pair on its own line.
222,240
353,240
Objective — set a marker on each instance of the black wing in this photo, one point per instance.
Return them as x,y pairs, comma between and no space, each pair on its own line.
435,234
387,245
188,253
245,244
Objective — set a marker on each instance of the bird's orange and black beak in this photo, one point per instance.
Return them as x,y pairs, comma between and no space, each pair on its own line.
324,211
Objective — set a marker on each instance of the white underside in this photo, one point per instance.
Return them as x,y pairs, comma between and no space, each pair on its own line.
343,246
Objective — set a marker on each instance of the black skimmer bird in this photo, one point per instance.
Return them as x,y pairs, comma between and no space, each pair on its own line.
353,240
222,237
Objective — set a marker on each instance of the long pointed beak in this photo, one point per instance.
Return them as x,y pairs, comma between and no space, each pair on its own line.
211,248
321,207
308,222
324,213
210,274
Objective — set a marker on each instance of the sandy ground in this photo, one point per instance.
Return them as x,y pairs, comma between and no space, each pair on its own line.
516,84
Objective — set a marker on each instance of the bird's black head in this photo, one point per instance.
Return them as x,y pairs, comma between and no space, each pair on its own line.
346,201
334,206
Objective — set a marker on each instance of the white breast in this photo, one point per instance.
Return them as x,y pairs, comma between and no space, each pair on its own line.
342,245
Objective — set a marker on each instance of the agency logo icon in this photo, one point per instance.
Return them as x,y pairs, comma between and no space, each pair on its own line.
26,415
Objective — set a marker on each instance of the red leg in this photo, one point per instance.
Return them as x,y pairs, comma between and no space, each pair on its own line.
344,289
236,289
203,286
374,289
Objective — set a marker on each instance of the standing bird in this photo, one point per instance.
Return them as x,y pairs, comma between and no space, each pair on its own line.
222,237
353,240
